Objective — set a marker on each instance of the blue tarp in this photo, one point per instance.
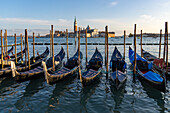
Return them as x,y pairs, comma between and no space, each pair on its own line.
132,54
153,76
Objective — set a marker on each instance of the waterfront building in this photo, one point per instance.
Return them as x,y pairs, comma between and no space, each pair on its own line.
110,34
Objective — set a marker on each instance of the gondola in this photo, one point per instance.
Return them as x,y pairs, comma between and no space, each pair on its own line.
5,61
93,68
38,71
8,59
157,63
146,73
118,69
12,57
68,70
34,61
7,71
9,51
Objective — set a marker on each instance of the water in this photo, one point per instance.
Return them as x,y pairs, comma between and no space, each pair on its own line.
69,96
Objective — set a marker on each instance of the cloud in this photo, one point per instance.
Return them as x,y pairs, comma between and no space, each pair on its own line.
34,21
17,25
113,4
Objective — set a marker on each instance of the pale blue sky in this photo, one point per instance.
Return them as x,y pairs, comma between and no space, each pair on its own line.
119,15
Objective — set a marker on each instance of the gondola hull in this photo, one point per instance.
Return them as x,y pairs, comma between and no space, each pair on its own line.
151,57
148,75
52,79
33,74
119,81
90,80
157,85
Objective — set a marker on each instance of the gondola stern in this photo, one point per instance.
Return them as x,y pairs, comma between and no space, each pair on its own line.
45,71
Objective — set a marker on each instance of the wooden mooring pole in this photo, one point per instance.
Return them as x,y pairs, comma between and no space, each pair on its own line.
15,48
21,50
86,45
166,31
4,45
107,60
134,68
6,41
33,45
105,46
25,48
124,43
164,52
2,62
160,44
52,46
28,51
79,56
67,44
141,44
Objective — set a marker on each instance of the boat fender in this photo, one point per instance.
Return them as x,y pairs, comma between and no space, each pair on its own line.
13,68
57,62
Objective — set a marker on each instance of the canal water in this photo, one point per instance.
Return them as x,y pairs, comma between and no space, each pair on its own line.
69,96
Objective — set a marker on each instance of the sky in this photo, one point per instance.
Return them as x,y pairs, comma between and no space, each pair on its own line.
38,15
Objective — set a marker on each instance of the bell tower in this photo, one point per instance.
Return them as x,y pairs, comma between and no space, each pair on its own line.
75,25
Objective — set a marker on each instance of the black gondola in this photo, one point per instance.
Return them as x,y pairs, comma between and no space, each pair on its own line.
7,70
146,73
93,68
9,51
118,68
69,70
38,71
157,63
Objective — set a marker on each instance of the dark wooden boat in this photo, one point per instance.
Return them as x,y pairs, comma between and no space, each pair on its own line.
118,69
93,69
146,73
7,71
8,59
34,62
9,51
38,71
157,63
12,57
69,70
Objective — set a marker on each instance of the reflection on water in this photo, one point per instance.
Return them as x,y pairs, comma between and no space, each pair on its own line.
156,95
32,88
86,93
117,95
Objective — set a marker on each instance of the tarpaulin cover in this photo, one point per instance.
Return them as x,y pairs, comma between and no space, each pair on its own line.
153,76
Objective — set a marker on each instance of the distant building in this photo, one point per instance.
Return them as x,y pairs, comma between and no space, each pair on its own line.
110,34
75,27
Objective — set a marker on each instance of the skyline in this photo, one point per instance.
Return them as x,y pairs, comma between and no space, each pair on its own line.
119,15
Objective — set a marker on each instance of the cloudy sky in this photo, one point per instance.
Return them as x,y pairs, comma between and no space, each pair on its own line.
119,15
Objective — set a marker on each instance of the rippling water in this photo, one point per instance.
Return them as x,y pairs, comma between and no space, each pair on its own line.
69,96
